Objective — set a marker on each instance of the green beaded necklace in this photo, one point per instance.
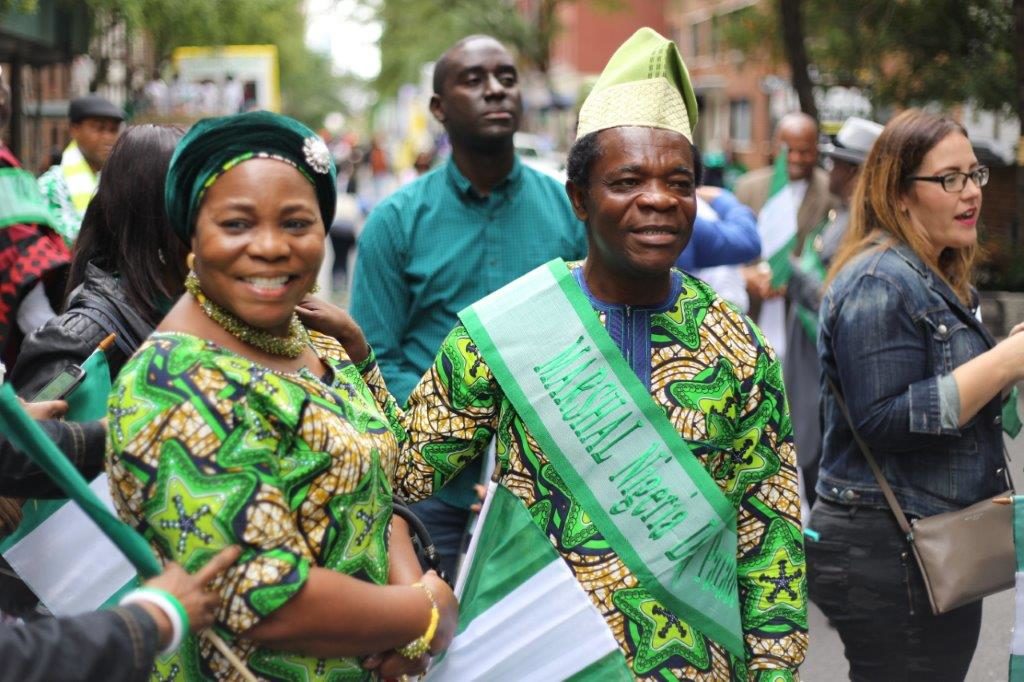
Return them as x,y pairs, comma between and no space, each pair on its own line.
290,346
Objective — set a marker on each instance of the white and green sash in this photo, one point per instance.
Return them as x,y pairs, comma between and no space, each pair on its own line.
633,474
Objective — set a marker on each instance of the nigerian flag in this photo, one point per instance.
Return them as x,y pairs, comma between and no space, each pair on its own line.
1017,642
522,613
776,225
60,553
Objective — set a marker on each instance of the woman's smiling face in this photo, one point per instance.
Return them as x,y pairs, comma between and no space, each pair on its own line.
259,242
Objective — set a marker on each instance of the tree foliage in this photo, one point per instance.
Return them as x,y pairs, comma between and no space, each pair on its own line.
416,32
309,89
903,52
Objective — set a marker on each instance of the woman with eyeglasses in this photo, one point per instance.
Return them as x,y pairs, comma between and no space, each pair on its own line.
923,379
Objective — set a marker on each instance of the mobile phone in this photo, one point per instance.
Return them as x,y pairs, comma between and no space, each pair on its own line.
61,385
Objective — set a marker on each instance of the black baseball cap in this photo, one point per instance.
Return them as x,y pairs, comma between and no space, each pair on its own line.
93,106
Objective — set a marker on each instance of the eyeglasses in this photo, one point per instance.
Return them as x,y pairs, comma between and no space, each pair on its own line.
955,181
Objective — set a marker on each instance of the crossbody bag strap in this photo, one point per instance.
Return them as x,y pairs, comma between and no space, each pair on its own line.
890,497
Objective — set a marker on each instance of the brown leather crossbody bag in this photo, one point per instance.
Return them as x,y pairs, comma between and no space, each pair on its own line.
963,555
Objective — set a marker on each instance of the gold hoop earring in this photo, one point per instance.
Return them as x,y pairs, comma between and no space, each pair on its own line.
190,260
315,289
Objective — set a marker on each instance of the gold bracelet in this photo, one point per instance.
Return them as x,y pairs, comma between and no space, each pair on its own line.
421,645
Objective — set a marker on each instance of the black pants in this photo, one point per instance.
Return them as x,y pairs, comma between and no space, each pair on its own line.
865,580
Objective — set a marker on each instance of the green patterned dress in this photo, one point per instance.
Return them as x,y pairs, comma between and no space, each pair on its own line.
208,449
720,384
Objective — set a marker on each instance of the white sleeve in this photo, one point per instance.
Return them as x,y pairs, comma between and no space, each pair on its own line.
35,310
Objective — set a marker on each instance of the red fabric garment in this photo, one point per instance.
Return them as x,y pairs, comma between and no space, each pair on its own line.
29,253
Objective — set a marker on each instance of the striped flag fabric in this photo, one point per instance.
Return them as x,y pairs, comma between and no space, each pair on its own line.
1017,641
522,613
58,549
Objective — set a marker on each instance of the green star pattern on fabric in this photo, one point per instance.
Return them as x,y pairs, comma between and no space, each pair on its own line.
776,578
193,512
577,528
460,359
660,634
364,515
294,668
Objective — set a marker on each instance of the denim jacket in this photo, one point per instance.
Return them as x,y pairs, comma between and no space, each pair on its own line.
890,328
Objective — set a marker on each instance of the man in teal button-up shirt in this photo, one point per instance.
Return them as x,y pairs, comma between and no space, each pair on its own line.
463,230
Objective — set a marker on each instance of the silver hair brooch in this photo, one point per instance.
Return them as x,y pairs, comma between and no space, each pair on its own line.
317,155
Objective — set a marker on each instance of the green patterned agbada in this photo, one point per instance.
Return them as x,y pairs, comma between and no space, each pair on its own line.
721,386
208,449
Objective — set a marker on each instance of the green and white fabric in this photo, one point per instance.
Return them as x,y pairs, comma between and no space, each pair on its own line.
634,475
522,613
777,226
1017,642
60,553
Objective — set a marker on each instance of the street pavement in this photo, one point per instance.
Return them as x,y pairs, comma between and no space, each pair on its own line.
825,661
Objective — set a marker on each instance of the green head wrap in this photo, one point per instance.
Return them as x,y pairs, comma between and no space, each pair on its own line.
644,84
215,145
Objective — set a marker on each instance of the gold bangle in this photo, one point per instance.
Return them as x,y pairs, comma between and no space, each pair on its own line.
421,645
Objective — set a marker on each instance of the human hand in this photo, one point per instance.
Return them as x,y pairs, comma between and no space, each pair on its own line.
391,664
448,608
329,319
191,590
481,494
47,409
709,193
758,280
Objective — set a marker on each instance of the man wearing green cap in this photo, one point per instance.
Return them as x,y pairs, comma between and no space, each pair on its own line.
640,419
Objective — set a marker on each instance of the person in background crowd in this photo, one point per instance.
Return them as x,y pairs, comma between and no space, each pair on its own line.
802,372
786,217
128,266
113,645
694,359
33,258
95,126
923,379
461,231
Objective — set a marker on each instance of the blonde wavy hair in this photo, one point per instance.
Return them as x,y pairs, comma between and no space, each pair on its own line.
874,210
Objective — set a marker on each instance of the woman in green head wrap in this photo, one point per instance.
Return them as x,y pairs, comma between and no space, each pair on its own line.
237,424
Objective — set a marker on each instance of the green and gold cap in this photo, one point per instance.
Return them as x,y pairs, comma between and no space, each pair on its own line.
644,84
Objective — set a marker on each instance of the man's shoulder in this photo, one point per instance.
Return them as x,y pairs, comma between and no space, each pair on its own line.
755,178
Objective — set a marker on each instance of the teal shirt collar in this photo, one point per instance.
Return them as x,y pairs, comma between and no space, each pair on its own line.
465,188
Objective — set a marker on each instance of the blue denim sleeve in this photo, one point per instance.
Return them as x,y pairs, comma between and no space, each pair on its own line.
730,240
881,358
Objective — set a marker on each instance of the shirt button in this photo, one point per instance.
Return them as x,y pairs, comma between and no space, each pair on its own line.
997,420
942,329
1000,471
849,495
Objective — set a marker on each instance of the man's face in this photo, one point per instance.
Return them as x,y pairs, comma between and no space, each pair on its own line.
801,150
640,206
96,137
479,99
841,177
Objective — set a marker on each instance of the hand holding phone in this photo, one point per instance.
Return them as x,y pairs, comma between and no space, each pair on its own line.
61,385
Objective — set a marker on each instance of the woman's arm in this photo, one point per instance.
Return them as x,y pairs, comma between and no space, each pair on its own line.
988,375
336,615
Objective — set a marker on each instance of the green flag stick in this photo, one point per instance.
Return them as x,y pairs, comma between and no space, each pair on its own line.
31,440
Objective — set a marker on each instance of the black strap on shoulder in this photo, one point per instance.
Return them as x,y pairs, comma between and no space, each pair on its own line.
101,313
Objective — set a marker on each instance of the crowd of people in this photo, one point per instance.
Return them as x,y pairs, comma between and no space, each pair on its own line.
633,341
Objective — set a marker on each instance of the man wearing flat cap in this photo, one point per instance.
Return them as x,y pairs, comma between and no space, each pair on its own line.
802,370
641,424
69,186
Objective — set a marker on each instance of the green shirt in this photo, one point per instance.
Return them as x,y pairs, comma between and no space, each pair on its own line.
436,246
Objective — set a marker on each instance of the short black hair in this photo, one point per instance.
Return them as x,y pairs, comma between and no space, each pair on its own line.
587,149
444,63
